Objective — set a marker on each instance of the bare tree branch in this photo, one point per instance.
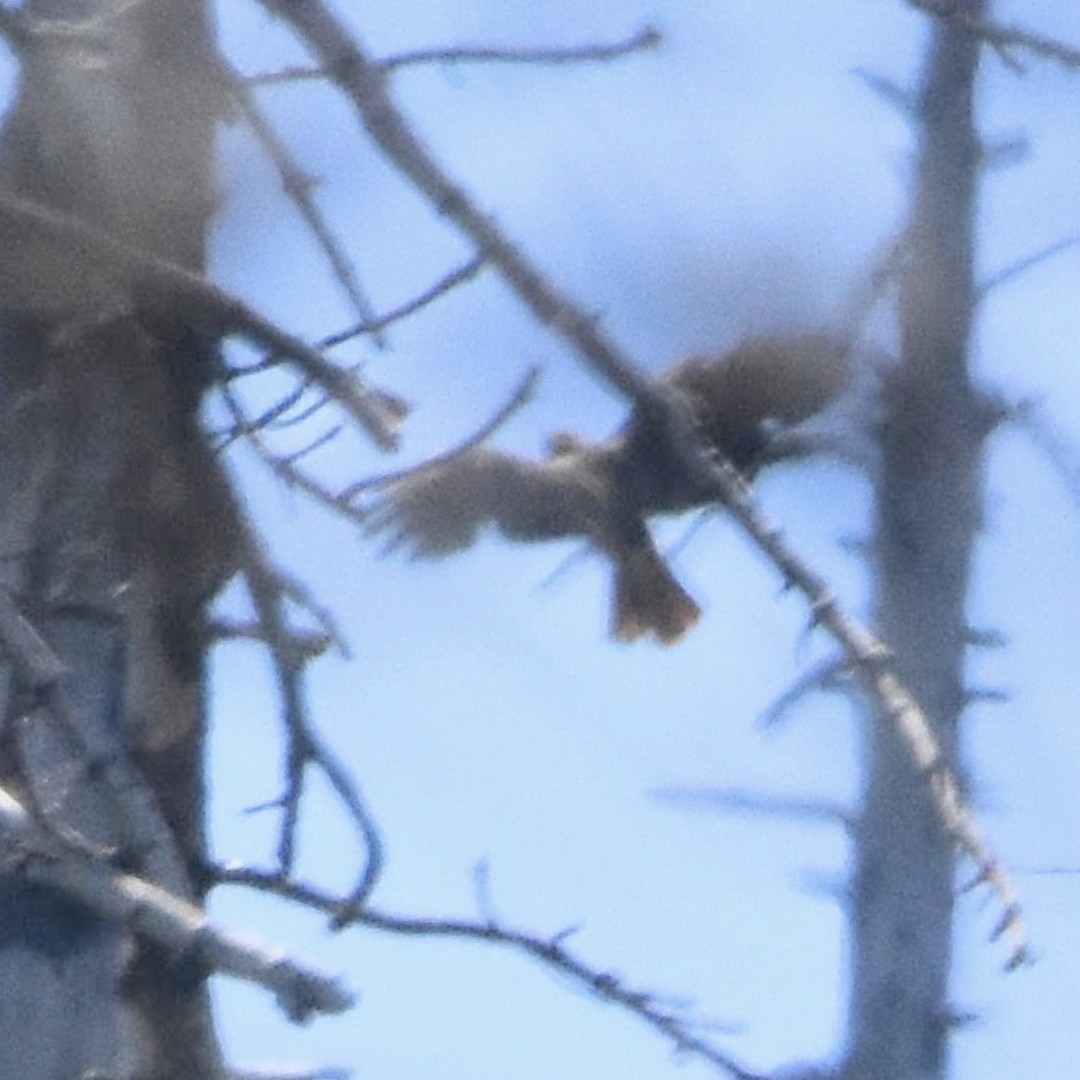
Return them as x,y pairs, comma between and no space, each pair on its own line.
158,915
304,747
466,272
645,39
298,186
684,1033
761,804
823,676
521,396
648,37
1017,269
252,430
159,282
1002,38
365,84
1062,453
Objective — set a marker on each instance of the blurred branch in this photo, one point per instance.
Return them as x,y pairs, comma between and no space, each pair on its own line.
521,396
268,589
1017,269
872,662
683,1033
824,676
364,82
1002,38
466,272
365,85
342,503
252,431
308,645
760,804
160,283
155,914
458,276
647,38
1060,451
643,40
298,186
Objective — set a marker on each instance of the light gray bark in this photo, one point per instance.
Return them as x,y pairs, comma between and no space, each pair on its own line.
928,499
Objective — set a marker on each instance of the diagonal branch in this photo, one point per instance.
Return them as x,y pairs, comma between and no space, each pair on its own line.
159,916
298,185
158,282
365,84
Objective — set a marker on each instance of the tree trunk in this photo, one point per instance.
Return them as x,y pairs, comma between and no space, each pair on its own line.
110,506
928,504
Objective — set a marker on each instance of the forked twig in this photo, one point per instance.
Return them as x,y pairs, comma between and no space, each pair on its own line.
304,747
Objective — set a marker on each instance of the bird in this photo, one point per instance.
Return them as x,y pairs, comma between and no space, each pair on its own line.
738,402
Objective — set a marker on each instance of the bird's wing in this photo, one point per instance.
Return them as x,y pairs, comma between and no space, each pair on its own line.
740,398
780,378
440,510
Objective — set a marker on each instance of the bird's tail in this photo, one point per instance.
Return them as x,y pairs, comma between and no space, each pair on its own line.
648,599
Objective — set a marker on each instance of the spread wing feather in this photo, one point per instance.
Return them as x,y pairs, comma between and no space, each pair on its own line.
441,510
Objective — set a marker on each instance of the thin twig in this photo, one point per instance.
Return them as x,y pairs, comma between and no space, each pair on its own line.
364,82
305,748
521,396
312,445
760,804
287,472
824,675
1016,269
648,37
680,1031
458,276
308,644
160,283
298,186
1060,451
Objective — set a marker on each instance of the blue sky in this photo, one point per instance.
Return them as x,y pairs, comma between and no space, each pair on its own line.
738,180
